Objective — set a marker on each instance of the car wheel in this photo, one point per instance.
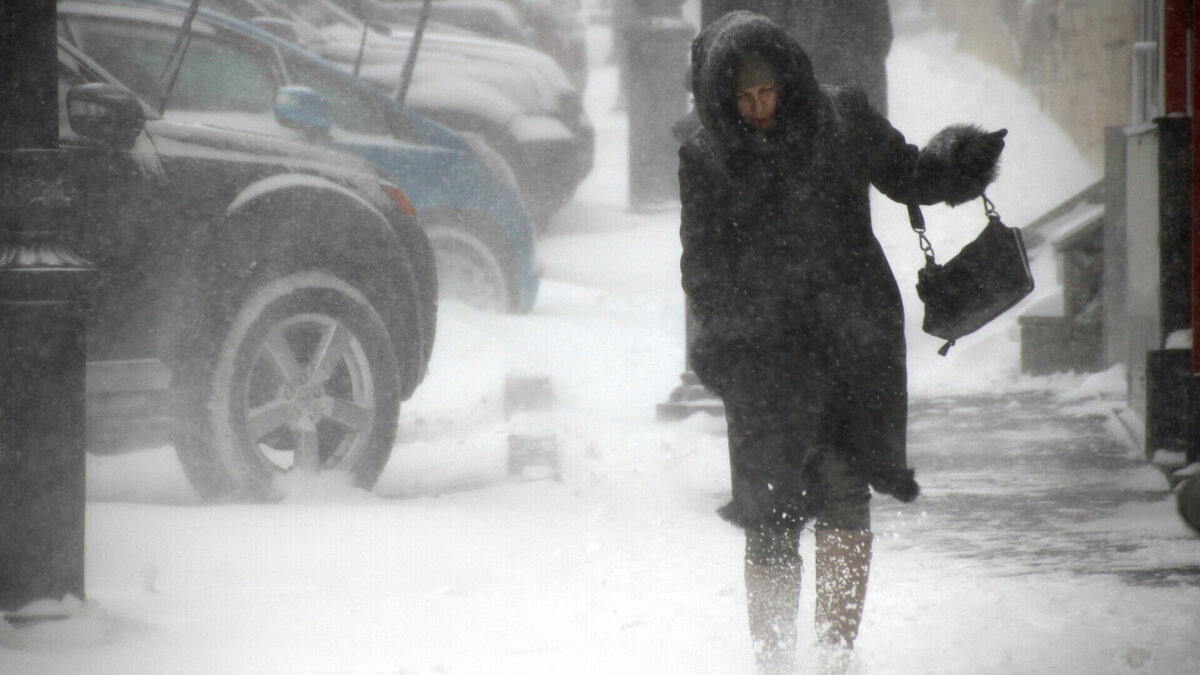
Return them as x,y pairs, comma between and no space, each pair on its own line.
469,270
304,379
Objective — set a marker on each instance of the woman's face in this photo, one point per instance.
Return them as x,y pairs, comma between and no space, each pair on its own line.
757,104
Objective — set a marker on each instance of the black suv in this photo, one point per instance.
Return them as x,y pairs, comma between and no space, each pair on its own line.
263,305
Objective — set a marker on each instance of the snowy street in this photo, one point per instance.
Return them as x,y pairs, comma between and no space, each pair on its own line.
1042,542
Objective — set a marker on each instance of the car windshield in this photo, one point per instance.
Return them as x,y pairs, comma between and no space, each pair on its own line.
226,81
135,53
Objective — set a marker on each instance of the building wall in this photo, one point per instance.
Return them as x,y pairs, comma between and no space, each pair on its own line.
1142,288
1076,55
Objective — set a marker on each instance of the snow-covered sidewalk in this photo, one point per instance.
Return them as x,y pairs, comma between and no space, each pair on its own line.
453,566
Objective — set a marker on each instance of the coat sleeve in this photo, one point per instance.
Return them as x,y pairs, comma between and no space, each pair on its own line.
955,166
705,264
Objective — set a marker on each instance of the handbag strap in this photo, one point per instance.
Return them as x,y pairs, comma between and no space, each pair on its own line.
989,209
917,220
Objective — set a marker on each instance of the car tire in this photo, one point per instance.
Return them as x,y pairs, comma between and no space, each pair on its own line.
469,270
304,378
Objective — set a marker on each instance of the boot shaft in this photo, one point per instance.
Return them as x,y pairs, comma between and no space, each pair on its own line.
843,565
773,603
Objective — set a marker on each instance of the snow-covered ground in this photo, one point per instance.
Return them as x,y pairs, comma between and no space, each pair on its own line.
452,565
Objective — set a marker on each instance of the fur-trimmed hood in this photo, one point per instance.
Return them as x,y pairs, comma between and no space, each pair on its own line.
715,53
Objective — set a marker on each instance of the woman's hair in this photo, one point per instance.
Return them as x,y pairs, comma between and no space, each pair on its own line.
753,70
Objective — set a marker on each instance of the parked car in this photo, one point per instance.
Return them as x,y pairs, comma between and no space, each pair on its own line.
549,27
463,191
263,304
517,98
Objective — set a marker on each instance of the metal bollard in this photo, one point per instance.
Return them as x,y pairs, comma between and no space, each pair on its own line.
657,44
42,365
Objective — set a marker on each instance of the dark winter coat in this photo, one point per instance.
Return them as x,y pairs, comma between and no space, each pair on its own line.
791,293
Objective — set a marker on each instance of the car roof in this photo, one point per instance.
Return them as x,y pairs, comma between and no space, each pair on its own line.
141,13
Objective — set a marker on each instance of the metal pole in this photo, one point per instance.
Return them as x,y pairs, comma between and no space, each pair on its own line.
657,42
28,74
42,361
42,283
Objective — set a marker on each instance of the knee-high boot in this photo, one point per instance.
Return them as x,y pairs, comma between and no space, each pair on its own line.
773,601
843,561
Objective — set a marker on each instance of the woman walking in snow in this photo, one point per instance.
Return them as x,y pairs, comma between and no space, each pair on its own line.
800,328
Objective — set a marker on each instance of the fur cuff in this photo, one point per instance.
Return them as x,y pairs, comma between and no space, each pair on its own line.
901,484
749,515
959,162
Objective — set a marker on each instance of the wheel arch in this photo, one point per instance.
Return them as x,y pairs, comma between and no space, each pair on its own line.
514,250
289,222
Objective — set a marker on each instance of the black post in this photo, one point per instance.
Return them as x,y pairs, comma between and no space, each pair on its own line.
657,43
1175,224
42,284
28,74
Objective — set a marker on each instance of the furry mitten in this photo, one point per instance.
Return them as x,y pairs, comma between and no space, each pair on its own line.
959,162
900,484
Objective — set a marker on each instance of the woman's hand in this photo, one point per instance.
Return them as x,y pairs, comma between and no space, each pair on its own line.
977,154
958,163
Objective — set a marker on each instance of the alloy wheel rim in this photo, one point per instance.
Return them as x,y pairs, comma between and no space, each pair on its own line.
309,396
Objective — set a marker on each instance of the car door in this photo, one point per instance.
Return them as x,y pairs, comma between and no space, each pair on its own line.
363,126
114,196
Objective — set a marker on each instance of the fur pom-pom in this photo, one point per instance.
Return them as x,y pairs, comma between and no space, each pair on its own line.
960,161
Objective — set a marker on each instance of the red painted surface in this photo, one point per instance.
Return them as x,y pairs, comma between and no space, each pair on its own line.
1184,14
1175,56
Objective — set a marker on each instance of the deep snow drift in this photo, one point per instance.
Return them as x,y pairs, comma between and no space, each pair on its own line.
453,566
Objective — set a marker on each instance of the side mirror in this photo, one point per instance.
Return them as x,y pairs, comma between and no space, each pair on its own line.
280,28
303,109
105,112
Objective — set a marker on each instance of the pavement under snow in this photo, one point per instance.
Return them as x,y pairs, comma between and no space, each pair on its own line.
1043,543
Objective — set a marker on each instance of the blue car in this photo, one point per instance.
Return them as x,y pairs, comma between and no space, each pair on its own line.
238,76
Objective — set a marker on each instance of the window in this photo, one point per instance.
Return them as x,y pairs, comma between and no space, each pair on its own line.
219,77
354,111
215,77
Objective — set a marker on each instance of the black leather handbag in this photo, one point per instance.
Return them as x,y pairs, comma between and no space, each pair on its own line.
986,278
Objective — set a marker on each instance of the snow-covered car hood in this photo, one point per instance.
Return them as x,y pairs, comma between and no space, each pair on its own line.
534,80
